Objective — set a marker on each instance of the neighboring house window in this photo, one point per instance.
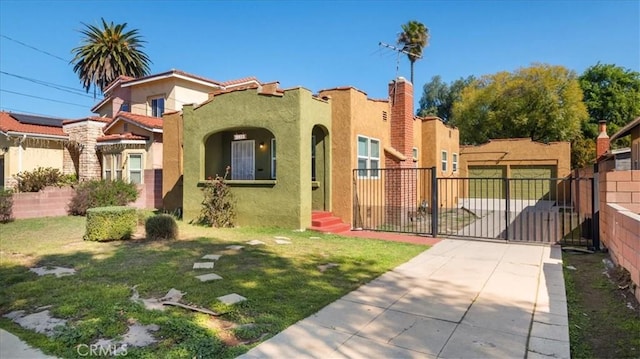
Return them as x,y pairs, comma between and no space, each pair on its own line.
454,162
313,157
243,160
368,157
112,164
157,106
125,107
135,168
273,158
444,161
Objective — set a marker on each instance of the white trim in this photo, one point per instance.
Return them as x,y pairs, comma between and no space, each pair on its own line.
444,160
108,126
169,75
141,169
121,142
27,134
368,157
454,162
273,159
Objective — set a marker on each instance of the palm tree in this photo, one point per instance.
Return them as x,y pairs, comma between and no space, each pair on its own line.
413,38
107,53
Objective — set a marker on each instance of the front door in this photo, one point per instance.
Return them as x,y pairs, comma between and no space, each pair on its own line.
243,160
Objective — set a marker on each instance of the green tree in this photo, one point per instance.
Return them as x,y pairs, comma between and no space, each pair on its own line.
611,93
108,52
413,38
543,102
438,97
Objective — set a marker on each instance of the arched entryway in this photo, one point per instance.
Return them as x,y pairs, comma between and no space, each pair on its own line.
320,169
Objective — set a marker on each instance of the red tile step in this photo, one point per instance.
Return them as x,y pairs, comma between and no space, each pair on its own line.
325,222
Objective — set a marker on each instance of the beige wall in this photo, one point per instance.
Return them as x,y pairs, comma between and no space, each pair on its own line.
517,152
176,93
33,153
172,161
153,149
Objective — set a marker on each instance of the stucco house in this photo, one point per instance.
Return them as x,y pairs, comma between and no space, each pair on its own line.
28,142
276,141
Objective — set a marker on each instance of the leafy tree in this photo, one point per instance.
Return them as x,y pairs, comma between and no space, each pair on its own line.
438,97
543,102
611,93
107,53
413,38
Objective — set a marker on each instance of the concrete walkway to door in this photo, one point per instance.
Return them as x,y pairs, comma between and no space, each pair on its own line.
459,299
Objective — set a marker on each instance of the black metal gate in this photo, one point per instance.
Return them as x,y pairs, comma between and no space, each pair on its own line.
545,210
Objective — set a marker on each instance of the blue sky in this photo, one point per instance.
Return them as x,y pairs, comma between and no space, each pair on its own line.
314,44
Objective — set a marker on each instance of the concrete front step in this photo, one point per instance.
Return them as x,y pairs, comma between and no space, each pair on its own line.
325,222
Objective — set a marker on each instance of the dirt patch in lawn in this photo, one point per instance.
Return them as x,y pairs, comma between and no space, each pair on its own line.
604,316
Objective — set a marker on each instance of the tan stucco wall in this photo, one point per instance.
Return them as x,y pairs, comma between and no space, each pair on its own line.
353,115
635,148
176,92
33,153
438,137
153,148
517,152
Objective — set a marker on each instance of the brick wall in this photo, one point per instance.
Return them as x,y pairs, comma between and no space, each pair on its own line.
620,220
50,202
401,197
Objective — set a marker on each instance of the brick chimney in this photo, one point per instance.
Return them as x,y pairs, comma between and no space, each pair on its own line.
400,177
602,142
401,99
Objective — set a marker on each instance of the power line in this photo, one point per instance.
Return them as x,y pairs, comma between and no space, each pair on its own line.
43,98
17,110
49,84
35,48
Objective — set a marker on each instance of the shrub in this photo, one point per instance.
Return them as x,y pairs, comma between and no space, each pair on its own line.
162,226
38,179
110,223
6,205
100,193
218,206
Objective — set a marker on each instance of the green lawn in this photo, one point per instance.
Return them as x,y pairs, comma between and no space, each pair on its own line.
282,283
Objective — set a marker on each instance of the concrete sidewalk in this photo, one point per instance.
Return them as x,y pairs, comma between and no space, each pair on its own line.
11,347
459,299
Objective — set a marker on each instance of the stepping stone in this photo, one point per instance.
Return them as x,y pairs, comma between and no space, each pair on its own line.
255,242
203,265
214,257
208,277
58,271
282,241
173,295
324,267
315,238
232,298
235,247
41,322
282,238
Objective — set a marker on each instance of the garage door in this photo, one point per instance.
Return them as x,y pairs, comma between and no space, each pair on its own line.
533,182
487,181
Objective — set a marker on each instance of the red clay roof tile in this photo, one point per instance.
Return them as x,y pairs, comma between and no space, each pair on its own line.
10,124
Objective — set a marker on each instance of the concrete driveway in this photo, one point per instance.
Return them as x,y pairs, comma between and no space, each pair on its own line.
459,299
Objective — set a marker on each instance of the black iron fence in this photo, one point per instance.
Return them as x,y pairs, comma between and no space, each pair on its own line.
547,210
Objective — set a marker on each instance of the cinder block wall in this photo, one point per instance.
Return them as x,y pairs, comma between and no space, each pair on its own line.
620,220
50,202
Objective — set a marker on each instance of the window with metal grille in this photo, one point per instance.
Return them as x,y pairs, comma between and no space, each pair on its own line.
243,160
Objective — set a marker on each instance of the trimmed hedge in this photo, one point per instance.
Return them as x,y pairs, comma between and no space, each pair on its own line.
162,226
110,223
